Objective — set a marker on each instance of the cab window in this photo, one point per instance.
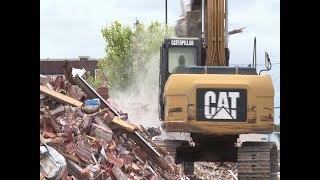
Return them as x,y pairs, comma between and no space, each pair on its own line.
180,58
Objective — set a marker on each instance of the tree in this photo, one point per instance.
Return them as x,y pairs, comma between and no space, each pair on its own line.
117,61
128,50
277,129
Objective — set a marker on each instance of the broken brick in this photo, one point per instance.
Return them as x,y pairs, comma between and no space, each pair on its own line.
135,168
86,124
68,131
42,103
117,140
58,111
101,133
170,161
118,162
108,167
113,146
117,174
47,134
50,124
113,126
79,113
95,170
85,174
84,152
73,169
127,158
71,147
100,120
139,154
108,117
75,92
103,92
58,83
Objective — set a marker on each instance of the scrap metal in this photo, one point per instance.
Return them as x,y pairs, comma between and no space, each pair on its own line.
52,164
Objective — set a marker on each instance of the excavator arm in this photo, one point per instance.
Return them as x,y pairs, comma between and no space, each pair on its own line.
216,33
214,30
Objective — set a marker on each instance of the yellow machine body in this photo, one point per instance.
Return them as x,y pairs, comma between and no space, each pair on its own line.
181,103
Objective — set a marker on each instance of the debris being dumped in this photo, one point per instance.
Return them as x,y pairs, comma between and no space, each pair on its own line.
189,22
83,137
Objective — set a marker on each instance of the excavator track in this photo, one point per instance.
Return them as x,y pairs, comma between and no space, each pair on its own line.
258,160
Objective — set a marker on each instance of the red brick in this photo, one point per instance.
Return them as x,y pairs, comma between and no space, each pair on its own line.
118,162
84,152
117,174
85,174
101,133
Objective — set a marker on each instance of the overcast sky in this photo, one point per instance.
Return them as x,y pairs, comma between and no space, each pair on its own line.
72,28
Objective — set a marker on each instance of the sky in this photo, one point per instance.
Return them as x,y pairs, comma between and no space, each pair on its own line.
72,28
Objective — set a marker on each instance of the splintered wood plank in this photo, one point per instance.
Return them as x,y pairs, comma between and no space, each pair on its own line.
124,125
60,97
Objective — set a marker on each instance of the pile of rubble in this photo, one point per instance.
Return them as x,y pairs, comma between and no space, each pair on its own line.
82,136
94,148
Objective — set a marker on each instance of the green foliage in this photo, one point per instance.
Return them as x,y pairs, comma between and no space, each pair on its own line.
128,50
95,83
277,129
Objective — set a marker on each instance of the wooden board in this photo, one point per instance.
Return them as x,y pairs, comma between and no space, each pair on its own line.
124,125
60,97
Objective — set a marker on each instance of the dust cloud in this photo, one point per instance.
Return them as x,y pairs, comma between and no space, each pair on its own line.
140,100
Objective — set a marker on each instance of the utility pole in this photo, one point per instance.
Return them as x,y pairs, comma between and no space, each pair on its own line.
166,16
166,11
137,22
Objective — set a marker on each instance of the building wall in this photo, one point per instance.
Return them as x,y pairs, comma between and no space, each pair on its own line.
54,66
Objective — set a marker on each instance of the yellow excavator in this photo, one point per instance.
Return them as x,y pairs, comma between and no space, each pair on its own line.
200,94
